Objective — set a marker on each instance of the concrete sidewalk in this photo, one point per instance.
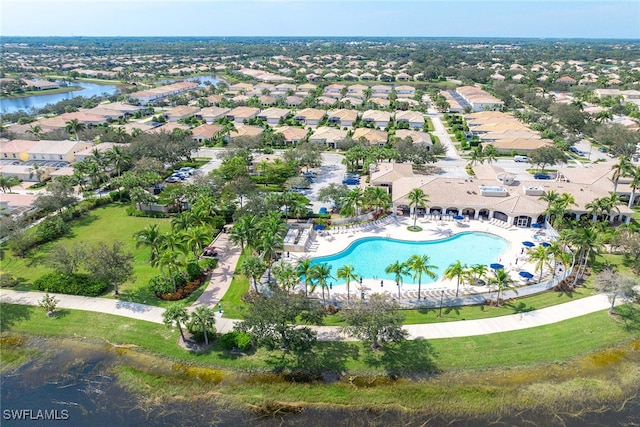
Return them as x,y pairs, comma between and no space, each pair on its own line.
532,319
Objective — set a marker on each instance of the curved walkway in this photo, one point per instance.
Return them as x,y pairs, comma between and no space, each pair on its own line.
462,328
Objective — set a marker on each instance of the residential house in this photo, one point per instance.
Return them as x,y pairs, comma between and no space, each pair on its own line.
380,91
240,88
17,149
306,88
379,118
273,116
415,119
417,137
370,136
147,96
25,172
181,112
240,114
343,117
101,148
244,131
205,132
57,150
267,100
379,102
292,135
211,114
293,101
38,84
405,91
333,89
478,99
16,204
328,136
310,116
403,77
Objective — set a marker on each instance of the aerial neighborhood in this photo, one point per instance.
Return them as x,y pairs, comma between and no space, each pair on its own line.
265,204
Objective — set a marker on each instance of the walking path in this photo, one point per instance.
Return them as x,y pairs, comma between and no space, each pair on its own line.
463,328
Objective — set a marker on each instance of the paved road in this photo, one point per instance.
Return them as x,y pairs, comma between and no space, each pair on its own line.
545,316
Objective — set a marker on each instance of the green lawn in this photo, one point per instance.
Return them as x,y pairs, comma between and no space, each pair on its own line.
548,344
103,224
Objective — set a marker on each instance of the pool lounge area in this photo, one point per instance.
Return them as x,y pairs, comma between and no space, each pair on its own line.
329,243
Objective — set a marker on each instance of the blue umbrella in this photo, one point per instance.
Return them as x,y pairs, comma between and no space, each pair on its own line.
458,217
529,244
526,275
545,244
496,266
536,225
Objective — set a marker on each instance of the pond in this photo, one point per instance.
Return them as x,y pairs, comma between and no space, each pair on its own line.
27,103
200,79
76,383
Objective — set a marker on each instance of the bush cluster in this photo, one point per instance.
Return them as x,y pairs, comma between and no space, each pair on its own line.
236,340
72,284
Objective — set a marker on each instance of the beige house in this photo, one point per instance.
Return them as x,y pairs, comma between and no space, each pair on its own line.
292,135
205,132
273,115
181,112
101,148
17,149
25,172
415,119
328,136
57,150
417,137
240,114
491,196
405,91
478,99
370,136
244,131
211,114
343,117
310,116
379,118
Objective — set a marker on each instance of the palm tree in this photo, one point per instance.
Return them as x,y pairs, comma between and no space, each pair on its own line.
634,184
204,317
477,272
321,272
398,269
195,239
176,313
36,131
270,244
118,158
303,268
285,275
540,257
503,281
621,169
477,156
457,271
587,242
352,202
347,273
417,198
244,231
182,221
253,268
377,197
6,182
490,153
419,265
172,260
74,126
150,236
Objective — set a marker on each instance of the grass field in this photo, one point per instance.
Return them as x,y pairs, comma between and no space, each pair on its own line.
103,224
549,344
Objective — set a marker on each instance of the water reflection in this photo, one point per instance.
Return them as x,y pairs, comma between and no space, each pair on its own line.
77,377
27,103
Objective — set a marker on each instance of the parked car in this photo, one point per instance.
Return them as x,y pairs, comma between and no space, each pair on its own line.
520,159
602,149
576,151
348,181
542,176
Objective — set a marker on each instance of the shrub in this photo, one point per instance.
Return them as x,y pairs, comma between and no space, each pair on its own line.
208,263
51,229
133,211
7,280
193,270
235,339
72,284
160,285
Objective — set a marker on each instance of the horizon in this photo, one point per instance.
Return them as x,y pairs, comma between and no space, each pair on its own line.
460,19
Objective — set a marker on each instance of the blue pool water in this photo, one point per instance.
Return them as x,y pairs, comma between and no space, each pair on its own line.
371,255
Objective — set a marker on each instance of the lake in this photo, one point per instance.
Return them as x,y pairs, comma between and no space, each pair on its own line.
200,79
12,105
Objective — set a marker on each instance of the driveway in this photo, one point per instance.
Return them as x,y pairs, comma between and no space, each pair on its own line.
331,171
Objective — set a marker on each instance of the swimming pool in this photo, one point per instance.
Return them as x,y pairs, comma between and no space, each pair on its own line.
371,255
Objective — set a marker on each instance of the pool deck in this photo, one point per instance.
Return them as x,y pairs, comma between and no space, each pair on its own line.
331,241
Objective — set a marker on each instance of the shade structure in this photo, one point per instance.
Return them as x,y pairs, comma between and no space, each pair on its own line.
526,275
536,225
545,244
528,244
458,217
496,266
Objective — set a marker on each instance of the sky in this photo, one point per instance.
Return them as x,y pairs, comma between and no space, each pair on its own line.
361,18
